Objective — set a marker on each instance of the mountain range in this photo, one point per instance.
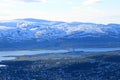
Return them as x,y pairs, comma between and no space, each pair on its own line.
32,33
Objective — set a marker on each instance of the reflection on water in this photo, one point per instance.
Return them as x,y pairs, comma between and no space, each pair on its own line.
29,52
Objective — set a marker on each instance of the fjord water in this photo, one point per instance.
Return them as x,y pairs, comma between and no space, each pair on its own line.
3,54
33,52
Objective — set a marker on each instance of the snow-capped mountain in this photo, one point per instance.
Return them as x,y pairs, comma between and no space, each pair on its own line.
35,31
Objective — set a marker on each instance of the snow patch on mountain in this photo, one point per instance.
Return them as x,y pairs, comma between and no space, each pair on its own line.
85,28
39,33
5,28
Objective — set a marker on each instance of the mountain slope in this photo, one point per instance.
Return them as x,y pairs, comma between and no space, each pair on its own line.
36,33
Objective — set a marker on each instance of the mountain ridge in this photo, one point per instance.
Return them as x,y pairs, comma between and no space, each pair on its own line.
37,32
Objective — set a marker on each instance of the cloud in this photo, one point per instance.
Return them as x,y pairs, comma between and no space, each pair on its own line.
31,1
91,2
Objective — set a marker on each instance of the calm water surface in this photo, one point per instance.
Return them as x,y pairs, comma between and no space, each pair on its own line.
29,52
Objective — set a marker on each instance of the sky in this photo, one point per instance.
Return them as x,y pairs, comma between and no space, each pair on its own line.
95,11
